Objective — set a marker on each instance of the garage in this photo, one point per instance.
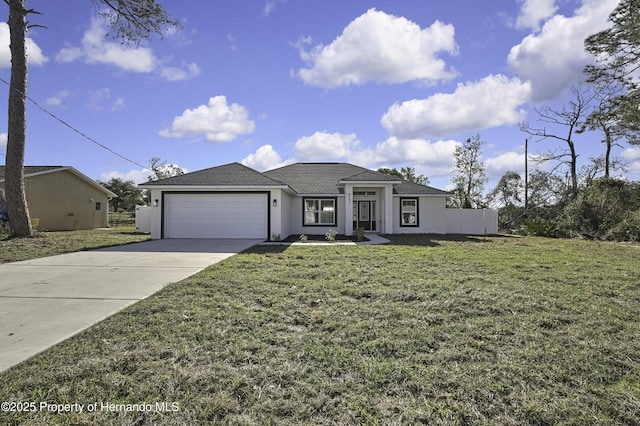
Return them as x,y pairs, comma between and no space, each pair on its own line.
215,215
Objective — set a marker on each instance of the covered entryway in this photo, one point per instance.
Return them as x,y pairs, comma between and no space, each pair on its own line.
215,215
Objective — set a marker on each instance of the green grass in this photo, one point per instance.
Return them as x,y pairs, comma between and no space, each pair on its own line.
52,243
503,331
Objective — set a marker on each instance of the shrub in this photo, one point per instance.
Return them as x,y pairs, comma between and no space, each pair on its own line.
540,227
600,208
331,235
627,230
303,238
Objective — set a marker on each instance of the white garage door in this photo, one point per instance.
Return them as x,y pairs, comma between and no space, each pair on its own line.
215,216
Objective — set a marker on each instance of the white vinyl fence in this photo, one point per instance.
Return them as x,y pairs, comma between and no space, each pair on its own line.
472,221
143,219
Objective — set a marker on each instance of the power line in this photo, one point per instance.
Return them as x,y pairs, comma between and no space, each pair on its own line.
90,139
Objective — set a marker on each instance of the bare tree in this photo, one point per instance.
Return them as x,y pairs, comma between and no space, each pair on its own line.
570,119
132,21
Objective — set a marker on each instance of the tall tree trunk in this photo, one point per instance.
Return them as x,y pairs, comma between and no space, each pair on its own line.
607,155
19,222
574,169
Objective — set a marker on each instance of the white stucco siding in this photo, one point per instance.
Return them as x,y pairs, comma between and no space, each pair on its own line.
296,217
431,216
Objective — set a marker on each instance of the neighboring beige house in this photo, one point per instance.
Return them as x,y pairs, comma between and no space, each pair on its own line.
60,198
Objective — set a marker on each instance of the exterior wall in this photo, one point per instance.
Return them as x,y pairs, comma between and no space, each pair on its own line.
156,214
278,214
296,217
472,221
285,215
61,201
431,216
435,218
278,228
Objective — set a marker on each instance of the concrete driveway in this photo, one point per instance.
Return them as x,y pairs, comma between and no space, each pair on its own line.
44,301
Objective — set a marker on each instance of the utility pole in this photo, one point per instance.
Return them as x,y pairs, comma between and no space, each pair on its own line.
526,175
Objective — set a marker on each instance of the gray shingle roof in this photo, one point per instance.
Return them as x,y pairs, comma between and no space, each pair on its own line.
30,170
410,188
323,178
303,178
233,174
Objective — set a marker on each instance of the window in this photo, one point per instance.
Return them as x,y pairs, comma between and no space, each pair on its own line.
408,212
98,205
319,211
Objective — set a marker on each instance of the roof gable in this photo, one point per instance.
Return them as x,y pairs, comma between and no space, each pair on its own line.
32,171
325,178
233,174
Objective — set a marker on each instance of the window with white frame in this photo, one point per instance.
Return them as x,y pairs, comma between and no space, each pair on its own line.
408,212
319,211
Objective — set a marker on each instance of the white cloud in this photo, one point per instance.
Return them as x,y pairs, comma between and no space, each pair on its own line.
3,139
185,72
138,176
631,156
491,102
95,49
325,146
533,12
218,121
56,100
265,158
270,6
380,47
505,162
435,158
555,58
101,100
34,53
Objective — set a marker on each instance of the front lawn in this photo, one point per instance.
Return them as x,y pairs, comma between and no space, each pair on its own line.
429,330
61,242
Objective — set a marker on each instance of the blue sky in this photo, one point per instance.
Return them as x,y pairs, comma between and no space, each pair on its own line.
379,84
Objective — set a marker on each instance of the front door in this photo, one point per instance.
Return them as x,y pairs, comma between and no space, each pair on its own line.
366,215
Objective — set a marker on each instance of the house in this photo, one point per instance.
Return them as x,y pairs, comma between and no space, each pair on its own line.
235,201
60,198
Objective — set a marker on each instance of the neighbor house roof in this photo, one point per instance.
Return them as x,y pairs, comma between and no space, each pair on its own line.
233,174
30,171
